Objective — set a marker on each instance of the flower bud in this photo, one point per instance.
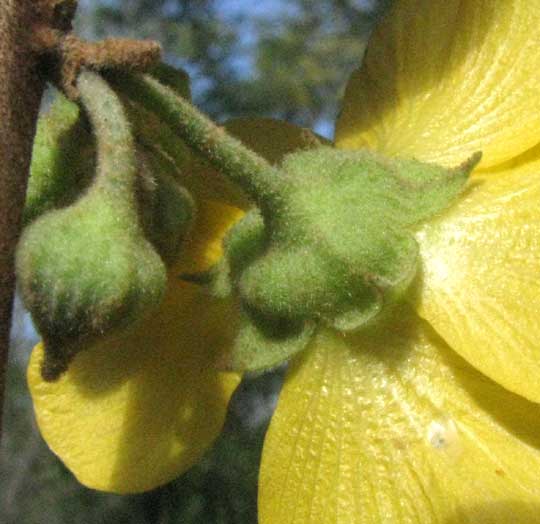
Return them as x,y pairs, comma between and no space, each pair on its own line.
63,159
87,269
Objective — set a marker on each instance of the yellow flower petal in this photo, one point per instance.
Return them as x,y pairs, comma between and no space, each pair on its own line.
392,427
443,79
481,277
134,412
272,139
203,248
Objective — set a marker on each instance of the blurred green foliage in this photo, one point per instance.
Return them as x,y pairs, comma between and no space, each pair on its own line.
288,59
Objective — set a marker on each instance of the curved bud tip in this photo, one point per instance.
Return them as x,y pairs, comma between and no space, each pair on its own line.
56,360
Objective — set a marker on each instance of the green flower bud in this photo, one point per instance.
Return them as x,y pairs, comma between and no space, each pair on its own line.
63,159
87,269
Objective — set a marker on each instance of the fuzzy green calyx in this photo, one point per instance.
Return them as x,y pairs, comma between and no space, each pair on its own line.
87,269
339,248
341,245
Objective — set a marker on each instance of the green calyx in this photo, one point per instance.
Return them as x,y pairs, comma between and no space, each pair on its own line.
338,250
341,246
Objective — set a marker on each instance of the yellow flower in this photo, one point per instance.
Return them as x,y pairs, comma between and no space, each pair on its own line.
433,416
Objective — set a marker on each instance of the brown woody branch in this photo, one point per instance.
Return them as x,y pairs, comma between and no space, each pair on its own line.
21,89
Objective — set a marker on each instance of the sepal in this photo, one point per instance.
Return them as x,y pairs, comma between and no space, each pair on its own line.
264,343
339,246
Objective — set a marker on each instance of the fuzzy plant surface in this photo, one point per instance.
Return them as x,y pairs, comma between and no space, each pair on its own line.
88,267
63,159
338,248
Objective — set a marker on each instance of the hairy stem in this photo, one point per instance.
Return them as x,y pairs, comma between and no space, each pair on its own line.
262,182
116,168
21,89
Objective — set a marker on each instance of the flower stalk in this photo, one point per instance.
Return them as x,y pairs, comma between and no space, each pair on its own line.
262,182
